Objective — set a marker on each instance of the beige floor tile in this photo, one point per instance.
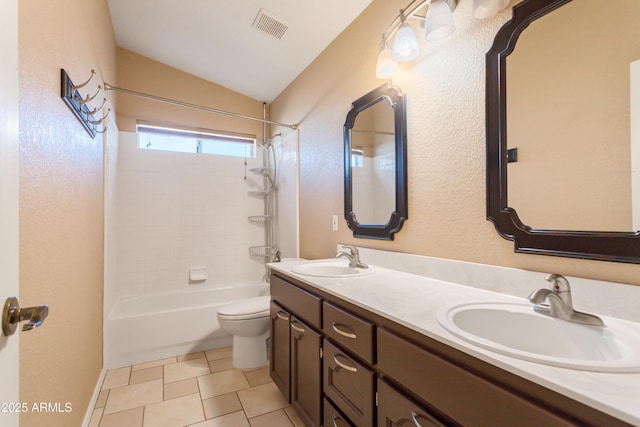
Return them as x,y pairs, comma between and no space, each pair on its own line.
261,399
153,363
221,405
130,418
258,376
272,419
96,415
294,417
142,375
219,353
102,399
191,356
188,369
236,419
175,412
116,378
220,365
132,396
222,383
180,388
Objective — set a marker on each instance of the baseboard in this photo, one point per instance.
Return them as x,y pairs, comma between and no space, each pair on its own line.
94,399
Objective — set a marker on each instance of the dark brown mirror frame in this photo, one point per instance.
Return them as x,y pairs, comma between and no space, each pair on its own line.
596,245
397,217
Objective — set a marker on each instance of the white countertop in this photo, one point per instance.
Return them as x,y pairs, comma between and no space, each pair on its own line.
413,301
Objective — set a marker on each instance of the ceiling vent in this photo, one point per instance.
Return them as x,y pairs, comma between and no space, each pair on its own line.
270,24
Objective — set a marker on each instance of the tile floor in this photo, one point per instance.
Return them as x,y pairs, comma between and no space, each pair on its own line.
196,390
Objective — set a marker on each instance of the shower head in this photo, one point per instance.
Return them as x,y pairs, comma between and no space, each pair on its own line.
269,142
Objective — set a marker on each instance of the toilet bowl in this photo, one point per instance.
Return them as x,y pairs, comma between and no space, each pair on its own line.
248,321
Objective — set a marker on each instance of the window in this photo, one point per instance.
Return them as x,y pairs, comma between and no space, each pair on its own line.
197,141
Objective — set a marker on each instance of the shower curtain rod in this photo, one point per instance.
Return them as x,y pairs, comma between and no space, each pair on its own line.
107,86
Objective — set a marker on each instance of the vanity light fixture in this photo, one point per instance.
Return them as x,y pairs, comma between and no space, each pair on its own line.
405,44
488,8
438,25
386,67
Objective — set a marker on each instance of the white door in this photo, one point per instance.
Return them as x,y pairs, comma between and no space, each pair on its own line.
9,396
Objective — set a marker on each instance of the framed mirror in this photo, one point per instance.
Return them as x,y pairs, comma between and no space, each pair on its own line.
375,164
563,129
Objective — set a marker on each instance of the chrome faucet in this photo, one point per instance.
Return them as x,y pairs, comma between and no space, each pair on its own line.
353,257
559,304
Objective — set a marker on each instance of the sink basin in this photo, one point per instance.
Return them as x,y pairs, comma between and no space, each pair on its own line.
336,268
516,330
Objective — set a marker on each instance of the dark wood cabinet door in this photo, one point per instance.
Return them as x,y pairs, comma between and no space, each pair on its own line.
280,361
349,385
333,417
306,371
395,410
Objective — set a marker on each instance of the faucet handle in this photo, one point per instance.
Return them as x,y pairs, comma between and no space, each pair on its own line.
351,248
558,283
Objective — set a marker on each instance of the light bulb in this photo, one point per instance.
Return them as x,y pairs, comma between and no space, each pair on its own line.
439,23
405,45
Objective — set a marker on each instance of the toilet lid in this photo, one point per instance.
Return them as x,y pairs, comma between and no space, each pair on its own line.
249,306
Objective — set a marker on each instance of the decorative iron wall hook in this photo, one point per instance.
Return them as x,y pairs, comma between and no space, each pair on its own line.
102,120
95,110
78,105
78,98
80,86
97,122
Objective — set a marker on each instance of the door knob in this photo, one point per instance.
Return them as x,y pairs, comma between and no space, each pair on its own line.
13,314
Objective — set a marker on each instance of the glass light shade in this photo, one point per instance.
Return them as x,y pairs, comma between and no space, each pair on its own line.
439,23
386,66
488,8
405,45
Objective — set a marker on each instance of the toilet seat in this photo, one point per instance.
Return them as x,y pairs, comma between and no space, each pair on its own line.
250,308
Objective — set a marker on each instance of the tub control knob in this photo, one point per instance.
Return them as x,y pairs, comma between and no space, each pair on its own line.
13,314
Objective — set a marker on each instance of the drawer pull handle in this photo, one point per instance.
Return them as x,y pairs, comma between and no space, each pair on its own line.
335,421
414,417
342,365
341,332
297,328
282,315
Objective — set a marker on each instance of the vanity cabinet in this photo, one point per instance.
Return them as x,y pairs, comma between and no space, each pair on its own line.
353,367
295,362
395,409
306,384
279,346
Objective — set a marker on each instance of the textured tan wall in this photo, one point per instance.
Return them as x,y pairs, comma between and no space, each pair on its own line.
141,74
445,90
61,205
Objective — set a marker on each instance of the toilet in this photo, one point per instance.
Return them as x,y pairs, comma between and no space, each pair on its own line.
248,321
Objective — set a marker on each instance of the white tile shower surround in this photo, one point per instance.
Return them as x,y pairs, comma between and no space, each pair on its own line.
174,211
196,390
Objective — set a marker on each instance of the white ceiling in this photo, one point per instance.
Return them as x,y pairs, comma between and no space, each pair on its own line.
215,40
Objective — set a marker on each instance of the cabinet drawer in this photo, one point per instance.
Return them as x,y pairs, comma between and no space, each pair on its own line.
301,303
333,417
466,398
349,385
394,409
349,331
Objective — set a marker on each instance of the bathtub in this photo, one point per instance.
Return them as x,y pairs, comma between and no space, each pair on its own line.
156,326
